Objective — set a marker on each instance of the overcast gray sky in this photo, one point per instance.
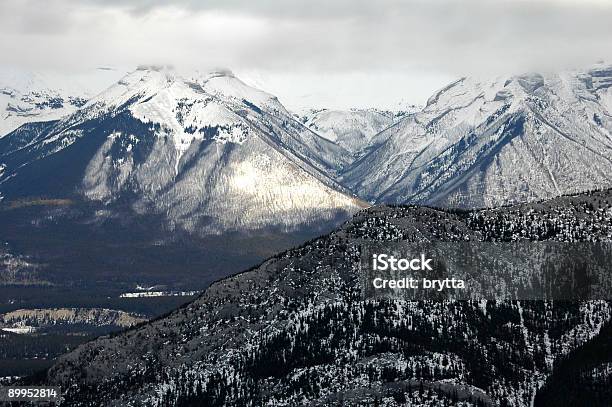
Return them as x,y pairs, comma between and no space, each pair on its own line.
337,53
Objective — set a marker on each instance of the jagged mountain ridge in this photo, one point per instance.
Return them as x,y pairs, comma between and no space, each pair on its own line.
484,143
208,153
296,330
476,143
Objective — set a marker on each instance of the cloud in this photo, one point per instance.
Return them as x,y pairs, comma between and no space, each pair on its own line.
319,37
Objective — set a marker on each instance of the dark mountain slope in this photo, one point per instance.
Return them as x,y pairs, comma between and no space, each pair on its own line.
583,377
296,330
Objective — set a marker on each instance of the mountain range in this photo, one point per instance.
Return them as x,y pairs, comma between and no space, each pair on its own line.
177,180
476,143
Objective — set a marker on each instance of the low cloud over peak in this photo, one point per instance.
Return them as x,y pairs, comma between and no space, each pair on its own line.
321,39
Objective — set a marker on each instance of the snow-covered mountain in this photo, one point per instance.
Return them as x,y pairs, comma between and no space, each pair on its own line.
352,129
209,153
29,96
494,142
476,142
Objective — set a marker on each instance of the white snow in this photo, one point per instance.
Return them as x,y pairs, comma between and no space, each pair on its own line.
147,294
22,330
29,96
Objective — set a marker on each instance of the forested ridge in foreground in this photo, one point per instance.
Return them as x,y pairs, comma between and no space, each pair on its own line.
297,331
